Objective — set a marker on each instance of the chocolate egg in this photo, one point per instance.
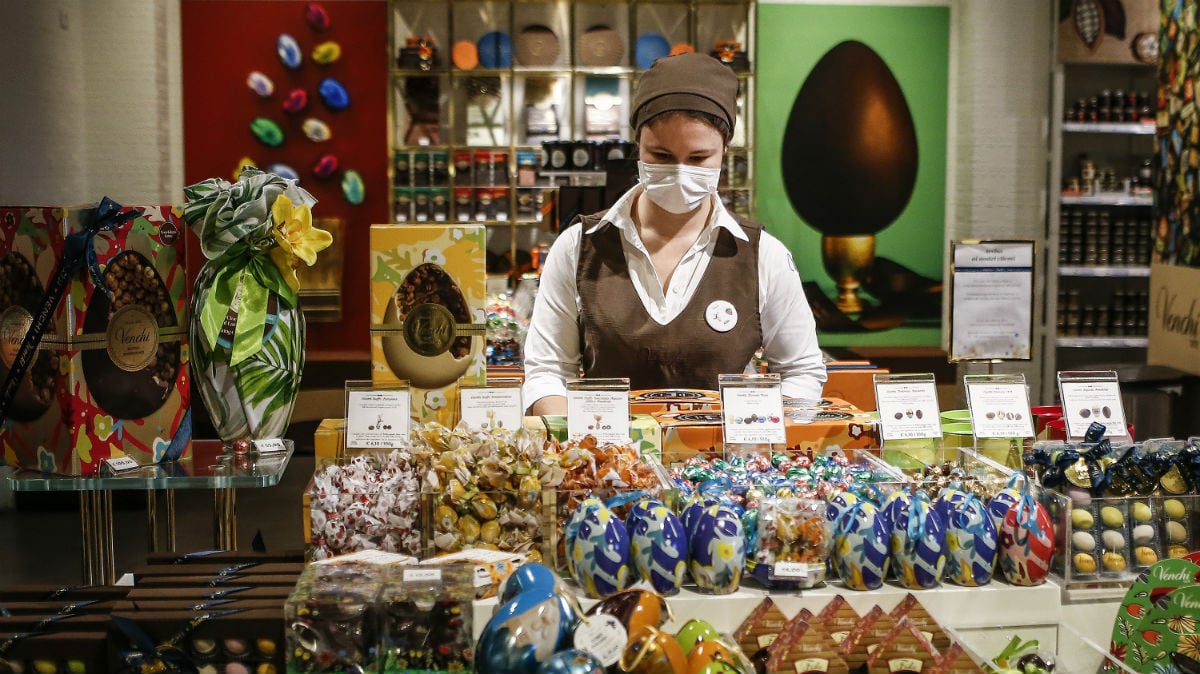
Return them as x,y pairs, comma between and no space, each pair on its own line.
427,305
860,547
694,632
1113,540
1082,540
970,544
20,296
633,608
327,52
1174,508
317,16
333,94
1084,563
717,550
850,145
1176,532
288,51
1177,551
1112,516
296,100
135,374
1026,543
326,165
1080,496
999,504
600,554
918,545
1145,556
1113,561
1141,512
1143,533
267,131
652,651
658,545
316,130
1081,518
353,187
523,633
572,661
260,84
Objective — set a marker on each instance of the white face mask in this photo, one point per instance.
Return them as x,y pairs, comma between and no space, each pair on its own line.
678,188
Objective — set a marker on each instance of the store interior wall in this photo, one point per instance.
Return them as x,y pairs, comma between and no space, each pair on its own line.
93,107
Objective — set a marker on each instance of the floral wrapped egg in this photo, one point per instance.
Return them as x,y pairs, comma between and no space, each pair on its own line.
691,512
947,501
970,543
918,545
1026,543
718,550
860,549
572,527
894,508
600,553
525,632
658,545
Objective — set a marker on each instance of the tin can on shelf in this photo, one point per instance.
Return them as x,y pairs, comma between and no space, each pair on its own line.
420,168
439,200
462,168
463,204
441,169
402,204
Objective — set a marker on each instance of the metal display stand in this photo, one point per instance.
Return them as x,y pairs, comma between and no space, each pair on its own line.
207,468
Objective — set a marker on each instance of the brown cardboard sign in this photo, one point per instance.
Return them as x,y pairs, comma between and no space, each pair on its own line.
763,626
1174,336
867,634
803,648
838,618
917,614
955,660
904,649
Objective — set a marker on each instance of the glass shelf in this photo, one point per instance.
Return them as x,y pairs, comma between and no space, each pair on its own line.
1119,128
1105,271
207,468
1102,342
1109,200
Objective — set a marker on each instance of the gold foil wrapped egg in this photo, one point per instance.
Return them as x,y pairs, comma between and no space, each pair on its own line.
1145,556
444,518
1113,561
489,532
469,528
484,507
426,309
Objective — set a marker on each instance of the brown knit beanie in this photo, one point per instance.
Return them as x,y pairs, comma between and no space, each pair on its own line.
685,82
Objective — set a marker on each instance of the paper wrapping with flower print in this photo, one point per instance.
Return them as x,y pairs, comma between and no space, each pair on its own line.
247,328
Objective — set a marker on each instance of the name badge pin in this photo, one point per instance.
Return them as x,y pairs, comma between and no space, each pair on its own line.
721,315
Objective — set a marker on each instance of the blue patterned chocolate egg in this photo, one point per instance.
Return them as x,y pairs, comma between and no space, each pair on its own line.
525,632
657,545
600,554
918,545
691,512
860,549
970,544
572,661
999,504
718,550
894,508
532,577
947,501
571,528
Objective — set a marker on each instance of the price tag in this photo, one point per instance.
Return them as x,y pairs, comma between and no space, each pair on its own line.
753,414
1085,402
121,464
603,636
908,408
490,407
999,410
377,418
270,445
369,557
789,570
600,412
422,575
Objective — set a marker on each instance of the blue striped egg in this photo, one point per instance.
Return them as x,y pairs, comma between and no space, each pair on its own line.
947,501
718,550
1025,543
918,545
999,504
970,544
692,511
600,554
895,507
657,545
571,529
525,632
860,550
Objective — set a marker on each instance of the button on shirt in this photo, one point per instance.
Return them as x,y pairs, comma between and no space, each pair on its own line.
552,350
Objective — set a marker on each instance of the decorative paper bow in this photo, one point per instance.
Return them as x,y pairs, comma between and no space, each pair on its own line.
258,228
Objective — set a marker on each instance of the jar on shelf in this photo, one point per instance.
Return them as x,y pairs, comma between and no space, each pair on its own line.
462,168
463,204
441,168
420,168
402,203
439,200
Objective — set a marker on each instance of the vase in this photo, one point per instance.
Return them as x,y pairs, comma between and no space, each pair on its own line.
253,399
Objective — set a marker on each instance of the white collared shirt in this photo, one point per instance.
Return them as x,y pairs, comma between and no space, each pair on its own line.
552,349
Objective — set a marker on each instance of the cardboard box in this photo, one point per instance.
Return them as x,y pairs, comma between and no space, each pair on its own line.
649,401
35,431
428,293
217,638
854,382
224,557
329,440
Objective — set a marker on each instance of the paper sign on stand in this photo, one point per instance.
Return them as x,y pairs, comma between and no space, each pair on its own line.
991,305
908,406
497,405
1092,397
752,409
377,417
600,408
999,405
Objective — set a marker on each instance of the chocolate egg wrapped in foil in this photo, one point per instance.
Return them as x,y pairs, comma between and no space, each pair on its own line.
717,547
860,549
288,50
918,544
971,540
658,545
600,554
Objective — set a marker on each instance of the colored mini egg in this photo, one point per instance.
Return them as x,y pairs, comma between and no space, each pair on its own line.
1082,519
970,544
327,52
1113,561
316,16
353,187
918,546
717,550
283,171
600,554
288,50
1176,532
658,545
1082,540
1084,563
1026,543
333,94
260,84
1174,508
265,646
693,632
1143,533
1145,556
572,661
1112,516
325,167
1080,496
267,131
523,633
1113,540
860,551
316,130
1141,512
297,100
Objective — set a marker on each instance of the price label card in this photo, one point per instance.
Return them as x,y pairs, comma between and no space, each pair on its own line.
120,464
603,636
789,570
999,409
908,407
492,407
423,575
1097,401
598,408
376,418
270,446
752,413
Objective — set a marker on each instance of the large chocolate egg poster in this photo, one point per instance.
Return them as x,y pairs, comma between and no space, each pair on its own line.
851,162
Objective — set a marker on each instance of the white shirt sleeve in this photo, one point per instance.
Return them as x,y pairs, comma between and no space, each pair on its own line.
789,330
552,350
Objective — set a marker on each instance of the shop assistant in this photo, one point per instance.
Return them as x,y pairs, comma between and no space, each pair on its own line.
668,288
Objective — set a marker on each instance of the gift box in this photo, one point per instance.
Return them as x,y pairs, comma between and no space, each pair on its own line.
35,431
426,620
329,439
649,401
78,652
218,638
428,293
